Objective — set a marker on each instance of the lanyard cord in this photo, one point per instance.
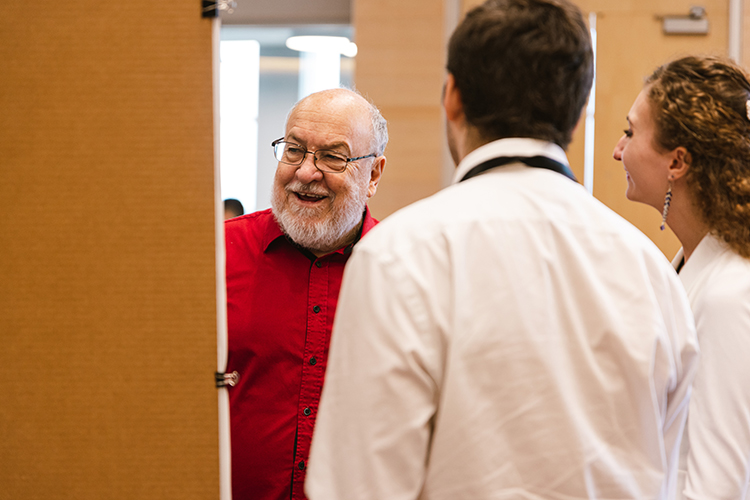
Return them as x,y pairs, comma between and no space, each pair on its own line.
531,161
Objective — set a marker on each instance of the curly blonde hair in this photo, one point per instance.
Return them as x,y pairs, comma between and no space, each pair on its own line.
700,103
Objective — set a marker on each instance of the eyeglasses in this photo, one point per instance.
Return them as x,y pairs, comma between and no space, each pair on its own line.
323,159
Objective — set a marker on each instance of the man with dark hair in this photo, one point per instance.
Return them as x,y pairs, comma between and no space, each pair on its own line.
510,336
284,270
520,57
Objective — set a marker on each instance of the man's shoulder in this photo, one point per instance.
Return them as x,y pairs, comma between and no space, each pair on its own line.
254,230
502,203
253,222
418,221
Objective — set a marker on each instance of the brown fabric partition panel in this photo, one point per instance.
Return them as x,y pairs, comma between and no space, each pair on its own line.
107,252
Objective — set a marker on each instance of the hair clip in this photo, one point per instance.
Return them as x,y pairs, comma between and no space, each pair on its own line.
747,108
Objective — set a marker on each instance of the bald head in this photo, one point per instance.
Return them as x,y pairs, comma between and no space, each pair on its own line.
352,103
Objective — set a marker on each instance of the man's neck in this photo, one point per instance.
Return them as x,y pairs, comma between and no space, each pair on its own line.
471,140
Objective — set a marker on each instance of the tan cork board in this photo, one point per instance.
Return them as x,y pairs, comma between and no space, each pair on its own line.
107,252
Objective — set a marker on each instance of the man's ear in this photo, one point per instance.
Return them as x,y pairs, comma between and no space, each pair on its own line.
375,174
452,102
681,160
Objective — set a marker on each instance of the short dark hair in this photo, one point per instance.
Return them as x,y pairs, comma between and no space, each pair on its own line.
234,207
524,68
701,104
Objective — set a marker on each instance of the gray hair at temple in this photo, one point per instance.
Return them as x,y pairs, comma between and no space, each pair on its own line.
379,128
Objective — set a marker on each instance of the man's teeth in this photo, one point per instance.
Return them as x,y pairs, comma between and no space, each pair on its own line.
311,195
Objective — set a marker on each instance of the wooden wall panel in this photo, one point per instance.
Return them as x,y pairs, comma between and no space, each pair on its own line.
107,253
400,66
630,46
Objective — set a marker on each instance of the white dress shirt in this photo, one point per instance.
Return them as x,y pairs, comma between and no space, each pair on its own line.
716,451
507,338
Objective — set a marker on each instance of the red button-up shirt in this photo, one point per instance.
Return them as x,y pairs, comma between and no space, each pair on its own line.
281,303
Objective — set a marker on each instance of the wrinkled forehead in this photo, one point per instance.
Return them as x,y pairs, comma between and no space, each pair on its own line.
325,120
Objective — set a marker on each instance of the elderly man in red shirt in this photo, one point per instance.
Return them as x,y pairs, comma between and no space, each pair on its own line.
284,270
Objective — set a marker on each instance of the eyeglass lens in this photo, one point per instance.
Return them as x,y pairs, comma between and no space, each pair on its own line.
294,154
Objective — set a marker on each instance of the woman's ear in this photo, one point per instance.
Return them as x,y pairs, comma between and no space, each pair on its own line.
681,159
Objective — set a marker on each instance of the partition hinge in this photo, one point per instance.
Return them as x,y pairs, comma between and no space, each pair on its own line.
226,379
211,8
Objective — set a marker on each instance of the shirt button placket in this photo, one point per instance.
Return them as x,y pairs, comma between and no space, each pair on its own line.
311,374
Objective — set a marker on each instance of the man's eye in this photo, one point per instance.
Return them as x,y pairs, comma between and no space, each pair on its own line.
628,132
294,150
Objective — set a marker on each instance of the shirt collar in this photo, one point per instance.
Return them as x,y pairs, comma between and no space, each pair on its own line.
516,146
273,232
703,256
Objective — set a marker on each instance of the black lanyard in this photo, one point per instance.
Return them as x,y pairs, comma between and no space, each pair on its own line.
531,161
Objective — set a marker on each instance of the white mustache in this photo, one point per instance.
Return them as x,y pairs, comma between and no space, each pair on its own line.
306,189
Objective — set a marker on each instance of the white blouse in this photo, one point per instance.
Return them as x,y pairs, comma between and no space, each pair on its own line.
716,447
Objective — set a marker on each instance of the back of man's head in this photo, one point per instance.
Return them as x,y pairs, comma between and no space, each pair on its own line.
523,67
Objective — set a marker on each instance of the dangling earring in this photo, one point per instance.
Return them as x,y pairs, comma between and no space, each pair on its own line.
667,201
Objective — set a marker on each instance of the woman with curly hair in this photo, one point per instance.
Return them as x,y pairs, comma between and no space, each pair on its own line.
686,153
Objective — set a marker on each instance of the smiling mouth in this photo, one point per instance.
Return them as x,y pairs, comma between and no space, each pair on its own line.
309,197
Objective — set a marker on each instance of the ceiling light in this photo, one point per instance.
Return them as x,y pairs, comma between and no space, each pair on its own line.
337,44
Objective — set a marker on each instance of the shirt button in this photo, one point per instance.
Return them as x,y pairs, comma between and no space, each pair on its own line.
318,263
313,360
307,411
301,465
316,309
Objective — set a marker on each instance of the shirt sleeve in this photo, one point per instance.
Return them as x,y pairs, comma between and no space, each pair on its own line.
718,464
375,422
685,355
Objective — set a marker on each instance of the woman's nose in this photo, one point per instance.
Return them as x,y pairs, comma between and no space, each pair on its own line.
617,153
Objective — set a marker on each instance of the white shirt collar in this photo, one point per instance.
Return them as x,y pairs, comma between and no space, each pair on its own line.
702,257
514,146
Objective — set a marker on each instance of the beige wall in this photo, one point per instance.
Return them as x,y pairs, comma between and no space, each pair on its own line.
400,67
630,46
401,61
107,252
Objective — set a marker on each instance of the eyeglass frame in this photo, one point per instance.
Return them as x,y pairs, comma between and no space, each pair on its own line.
315,159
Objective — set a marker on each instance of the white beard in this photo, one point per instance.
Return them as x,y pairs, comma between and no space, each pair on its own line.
308,228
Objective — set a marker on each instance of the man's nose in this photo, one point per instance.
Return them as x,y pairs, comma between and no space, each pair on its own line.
307,172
